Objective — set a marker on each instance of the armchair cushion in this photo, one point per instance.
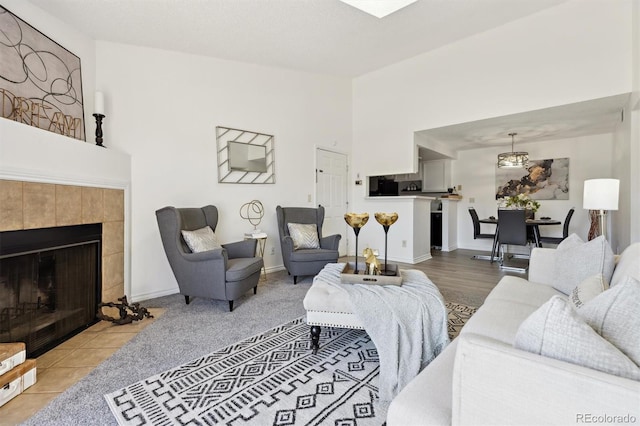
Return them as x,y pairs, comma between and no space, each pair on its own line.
239,269
202,239
304,235
556,331
312,255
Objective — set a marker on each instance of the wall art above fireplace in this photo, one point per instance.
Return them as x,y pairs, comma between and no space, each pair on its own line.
40,81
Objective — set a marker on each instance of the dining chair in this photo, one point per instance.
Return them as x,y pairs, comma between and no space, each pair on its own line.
477,234
512,230
565,230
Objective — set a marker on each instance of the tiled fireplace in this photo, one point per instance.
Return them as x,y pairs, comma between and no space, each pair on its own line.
45,206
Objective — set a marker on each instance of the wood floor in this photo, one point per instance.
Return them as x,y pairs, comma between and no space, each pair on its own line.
460,278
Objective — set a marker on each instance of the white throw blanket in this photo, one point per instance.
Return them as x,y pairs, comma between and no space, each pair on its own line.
408,324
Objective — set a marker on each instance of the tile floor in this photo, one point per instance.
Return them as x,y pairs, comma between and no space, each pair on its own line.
69,362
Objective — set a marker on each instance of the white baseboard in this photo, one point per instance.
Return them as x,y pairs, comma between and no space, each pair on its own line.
153,294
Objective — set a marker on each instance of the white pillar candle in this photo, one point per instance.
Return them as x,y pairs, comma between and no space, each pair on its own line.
98,107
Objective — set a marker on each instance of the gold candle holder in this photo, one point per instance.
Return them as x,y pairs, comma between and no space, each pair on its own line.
386,220
356,221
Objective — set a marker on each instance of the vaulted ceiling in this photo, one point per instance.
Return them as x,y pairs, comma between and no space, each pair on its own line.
331,37
320,36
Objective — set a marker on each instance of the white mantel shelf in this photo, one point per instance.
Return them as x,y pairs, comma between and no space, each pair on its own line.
32,154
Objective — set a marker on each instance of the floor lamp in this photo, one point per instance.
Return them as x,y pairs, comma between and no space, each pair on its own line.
601,195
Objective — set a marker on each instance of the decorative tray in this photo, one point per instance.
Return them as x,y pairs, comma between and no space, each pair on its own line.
348,277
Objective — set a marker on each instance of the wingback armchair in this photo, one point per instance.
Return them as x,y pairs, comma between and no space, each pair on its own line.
305,261
223,273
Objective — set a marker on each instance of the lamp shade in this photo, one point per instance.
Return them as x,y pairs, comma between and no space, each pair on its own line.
601,194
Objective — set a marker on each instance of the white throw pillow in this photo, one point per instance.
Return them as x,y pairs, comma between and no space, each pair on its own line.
304,235
202,239
556,331
587,290
576,260
615,315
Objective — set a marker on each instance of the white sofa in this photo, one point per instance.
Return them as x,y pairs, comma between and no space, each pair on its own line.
480,378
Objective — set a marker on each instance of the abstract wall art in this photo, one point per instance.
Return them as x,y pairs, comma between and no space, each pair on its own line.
542,180
40,81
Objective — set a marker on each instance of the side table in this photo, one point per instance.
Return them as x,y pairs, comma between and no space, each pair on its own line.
261,238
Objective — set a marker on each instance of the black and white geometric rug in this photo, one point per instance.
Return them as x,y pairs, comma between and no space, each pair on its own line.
269,379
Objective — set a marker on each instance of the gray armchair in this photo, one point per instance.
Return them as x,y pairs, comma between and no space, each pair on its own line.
223,273
305,261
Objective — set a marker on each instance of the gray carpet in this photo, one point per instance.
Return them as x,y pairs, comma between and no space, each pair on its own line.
183,333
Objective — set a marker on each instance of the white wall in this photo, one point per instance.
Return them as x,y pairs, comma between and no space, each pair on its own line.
573,52
634,123
589,157
162,108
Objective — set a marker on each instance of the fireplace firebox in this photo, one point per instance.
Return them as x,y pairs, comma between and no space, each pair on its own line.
50,284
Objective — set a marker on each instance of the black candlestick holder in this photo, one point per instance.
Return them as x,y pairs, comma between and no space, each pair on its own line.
99,118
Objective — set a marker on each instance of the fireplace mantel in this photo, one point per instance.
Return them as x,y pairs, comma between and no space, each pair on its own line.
50,180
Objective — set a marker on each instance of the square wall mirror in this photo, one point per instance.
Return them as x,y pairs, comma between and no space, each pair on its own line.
244,156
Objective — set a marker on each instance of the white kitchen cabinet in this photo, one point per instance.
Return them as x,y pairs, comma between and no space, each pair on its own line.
436,175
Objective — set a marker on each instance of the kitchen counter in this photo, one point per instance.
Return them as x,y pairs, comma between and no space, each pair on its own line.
409,239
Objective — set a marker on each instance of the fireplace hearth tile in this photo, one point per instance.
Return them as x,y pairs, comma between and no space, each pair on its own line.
85,357
57,379
77,341
24,406
49,358
110,340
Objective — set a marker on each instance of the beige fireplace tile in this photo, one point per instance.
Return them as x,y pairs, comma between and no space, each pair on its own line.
110,340
86,356
111,294
57,379
92,205
112,270
49,358
113,205
10,205
68,205
24,406
77,341
112,238
39,203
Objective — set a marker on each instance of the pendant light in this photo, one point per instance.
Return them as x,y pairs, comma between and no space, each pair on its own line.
513,159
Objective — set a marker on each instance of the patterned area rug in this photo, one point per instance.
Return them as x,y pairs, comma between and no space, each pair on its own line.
269,379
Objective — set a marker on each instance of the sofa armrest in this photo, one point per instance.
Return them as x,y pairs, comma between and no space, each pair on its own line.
542,265
494,383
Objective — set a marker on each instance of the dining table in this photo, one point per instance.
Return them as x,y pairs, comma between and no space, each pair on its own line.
534,224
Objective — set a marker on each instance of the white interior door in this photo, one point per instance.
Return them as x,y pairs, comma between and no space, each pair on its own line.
331,193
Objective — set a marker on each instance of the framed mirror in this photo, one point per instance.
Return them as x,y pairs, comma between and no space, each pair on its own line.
244,156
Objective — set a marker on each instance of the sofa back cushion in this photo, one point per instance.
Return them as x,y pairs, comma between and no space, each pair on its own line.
576,260
556,331
628,265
